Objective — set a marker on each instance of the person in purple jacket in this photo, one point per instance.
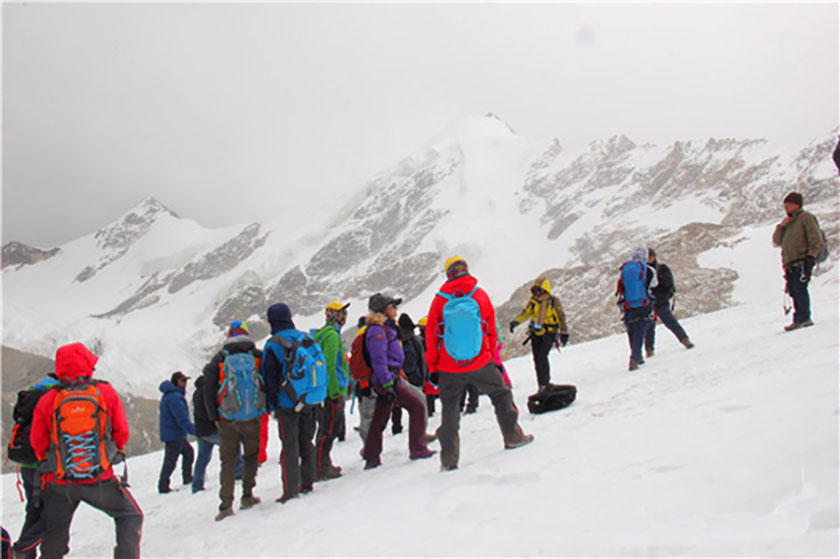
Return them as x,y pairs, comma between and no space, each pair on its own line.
386,359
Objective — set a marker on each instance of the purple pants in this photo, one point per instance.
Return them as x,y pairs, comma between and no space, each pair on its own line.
381,414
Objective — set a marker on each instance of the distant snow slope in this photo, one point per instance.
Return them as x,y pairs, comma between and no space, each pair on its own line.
729,449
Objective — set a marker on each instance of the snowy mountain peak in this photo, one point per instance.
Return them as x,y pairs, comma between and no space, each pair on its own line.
15,253
133,224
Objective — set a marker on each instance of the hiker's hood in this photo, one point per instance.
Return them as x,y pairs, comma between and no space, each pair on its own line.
73,361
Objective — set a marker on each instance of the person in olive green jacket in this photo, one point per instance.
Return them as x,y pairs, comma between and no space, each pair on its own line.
547,321
331,415
800,237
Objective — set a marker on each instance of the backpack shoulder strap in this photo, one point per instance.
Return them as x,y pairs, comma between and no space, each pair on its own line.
446,296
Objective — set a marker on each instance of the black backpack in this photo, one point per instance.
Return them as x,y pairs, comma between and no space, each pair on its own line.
555,397
20,449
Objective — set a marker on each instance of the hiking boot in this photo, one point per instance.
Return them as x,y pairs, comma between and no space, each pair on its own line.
526,439
448,468
330,473
687,343
792,326
422,453
648,352
224,513
304,489
633,365
197,489
806,324
188,479
396,429
471,409
286,497
249,501
369,465
165,490
431,437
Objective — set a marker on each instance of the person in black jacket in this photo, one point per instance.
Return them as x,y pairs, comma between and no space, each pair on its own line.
664,292
207,437
232,433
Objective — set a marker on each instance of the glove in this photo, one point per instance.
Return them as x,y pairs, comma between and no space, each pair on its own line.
366,391
434,378
564,339
513,324
118,457
390,393
810,262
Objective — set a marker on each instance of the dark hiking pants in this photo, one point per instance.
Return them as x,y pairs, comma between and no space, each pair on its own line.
60,502
416,423
540,348
637,321
328,425
798,291
232,434
489,381
172,450
33,523
669,320
297,457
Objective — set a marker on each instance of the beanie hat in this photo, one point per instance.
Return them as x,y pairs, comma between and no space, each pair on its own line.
379,302
280,317
337,313
641,253
651,252
455,267
794,198
238,328
406,323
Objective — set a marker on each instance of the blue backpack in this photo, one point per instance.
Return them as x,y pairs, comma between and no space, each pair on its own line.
342,375
306,370
463,328
241,394
634,292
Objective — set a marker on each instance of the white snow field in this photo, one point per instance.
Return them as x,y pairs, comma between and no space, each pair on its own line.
729,449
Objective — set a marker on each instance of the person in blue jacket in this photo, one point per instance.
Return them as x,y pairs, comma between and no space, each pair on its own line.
175,425
296,427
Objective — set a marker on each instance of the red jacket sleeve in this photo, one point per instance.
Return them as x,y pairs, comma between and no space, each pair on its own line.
119,421
432,320
39,437
488,314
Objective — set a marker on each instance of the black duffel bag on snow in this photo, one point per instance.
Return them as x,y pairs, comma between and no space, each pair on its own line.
553,397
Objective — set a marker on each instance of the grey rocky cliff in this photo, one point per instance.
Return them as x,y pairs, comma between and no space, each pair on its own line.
20,254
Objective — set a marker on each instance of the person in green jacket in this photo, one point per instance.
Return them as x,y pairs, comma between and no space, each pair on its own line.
800,237
332,414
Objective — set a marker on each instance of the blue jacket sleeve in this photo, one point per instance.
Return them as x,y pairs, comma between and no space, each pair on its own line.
181,412
272,373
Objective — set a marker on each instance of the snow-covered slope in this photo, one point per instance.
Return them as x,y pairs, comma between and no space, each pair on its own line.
151,292
730,449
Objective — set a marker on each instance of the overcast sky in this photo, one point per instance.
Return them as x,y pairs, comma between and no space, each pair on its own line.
223,111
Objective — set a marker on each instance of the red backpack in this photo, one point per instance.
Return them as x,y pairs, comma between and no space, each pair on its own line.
359,360
80,433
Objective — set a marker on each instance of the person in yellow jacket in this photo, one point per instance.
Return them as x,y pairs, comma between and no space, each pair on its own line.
547,321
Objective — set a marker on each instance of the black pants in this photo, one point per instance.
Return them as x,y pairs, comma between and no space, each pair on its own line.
540,347
489,381
636,321
33,524
297,457
669,320
172,450
330,415
798,291
61,501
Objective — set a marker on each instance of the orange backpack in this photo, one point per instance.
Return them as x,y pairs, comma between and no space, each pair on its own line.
80,433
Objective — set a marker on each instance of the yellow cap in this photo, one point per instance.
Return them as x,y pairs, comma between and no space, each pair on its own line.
451,261
338,306
422,321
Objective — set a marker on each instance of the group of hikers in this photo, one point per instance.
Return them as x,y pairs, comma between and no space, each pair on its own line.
78,428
